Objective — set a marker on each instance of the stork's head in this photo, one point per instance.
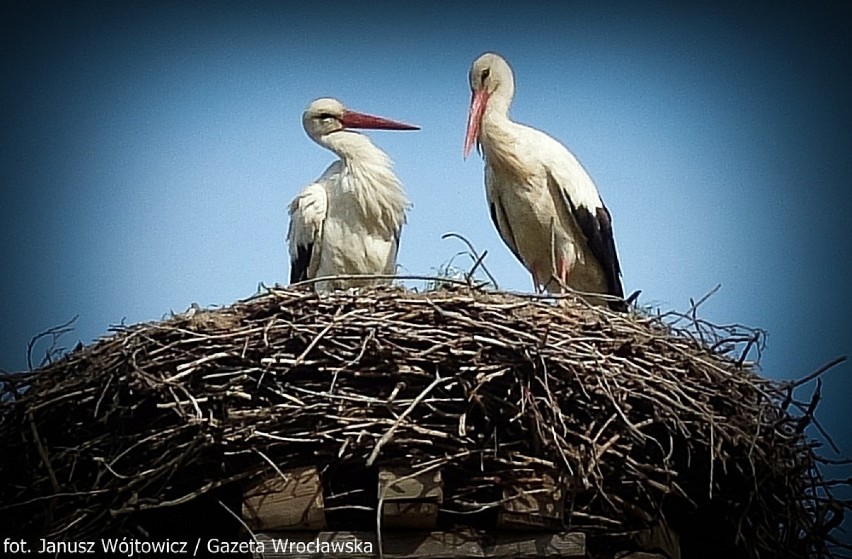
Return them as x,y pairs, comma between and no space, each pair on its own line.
326,116
491,83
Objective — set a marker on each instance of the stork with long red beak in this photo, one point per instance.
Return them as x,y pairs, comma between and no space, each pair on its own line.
349,221
543,203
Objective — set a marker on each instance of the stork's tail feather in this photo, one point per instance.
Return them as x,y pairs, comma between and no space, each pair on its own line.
633,297
623,306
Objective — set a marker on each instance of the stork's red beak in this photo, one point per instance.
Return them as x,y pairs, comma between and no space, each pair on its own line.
351,119
474,119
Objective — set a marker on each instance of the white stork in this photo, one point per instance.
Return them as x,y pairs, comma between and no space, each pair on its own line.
348,222
543,203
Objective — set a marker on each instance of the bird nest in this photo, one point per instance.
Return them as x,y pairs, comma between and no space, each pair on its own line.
640,419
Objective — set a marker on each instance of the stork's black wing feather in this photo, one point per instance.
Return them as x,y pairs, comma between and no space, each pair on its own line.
299,264
304,236
597,228
396,237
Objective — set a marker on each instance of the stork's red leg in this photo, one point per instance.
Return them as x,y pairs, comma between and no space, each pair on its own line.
563,270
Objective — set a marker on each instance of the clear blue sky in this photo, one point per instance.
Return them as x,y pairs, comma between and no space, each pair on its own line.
148,151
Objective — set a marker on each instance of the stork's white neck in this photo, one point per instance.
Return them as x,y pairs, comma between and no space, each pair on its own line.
496,123
348,144
499,138
499,103
369,181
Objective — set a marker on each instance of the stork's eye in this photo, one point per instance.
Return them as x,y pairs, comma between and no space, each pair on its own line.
485,74
323,116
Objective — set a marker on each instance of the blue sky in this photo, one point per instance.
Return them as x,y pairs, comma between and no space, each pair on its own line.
148,151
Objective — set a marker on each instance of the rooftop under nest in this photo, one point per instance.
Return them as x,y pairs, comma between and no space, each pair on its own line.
642,420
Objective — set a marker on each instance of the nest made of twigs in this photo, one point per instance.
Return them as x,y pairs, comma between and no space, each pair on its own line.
640,420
